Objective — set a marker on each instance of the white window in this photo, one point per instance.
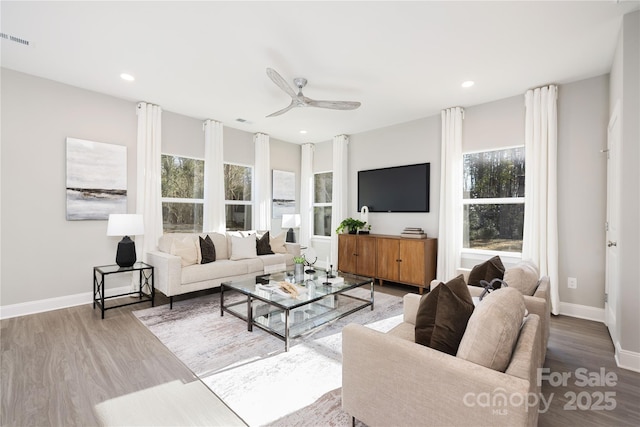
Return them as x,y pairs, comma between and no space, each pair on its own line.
182,191
322,199
493,201
238,186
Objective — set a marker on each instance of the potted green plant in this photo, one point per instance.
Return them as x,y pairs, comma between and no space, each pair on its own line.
351,225
298,267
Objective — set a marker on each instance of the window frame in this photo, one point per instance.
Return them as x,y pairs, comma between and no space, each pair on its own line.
315,205
241,202
471,253
180,199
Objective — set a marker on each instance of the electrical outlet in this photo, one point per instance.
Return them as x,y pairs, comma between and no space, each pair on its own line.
572,283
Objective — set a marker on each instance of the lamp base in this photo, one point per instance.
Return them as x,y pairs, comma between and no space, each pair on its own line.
126,254
291,237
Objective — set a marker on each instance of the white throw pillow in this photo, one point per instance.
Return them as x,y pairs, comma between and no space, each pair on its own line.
186,249
243,247
277,243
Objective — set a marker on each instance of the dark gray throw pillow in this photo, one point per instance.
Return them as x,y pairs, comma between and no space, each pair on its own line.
263,247
207,250
488,270
443,315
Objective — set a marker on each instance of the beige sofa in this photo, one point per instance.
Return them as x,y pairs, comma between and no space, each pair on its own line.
538,302
389,380
177,275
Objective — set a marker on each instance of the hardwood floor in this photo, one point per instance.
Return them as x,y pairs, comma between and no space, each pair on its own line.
57,366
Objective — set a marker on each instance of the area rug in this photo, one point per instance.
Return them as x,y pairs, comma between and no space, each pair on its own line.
251,372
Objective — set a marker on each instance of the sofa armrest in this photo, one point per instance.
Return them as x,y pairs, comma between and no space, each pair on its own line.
292,248
387,380
168,271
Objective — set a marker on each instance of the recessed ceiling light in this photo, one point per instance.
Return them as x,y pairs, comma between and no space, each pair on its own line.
127,77
468,83
303,131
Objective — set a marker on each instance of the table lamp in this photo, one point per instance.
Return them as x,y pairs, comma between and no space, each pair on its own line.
291,221
125,225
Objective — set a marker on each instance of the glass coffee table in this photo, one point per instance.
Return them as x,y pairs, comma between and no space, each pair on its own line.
319,302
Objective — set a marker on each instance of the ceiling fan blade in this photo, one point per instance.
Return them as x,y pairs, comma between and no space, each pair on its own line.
282,84
334,105
284,110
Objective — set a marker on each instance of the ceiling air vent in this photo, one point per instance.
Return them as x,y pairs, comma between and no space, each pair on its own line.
14,39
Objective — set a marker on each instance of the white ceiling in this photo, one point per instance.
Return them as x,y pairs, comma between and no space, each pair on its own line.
402,60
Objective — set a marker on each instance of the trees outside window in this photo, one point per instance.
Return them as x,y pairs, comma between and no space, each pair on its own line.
493,200
238,181
322,199
182,188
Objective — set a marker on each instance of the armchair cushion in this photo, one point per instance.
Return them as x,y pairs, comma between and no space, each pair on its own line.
493,329
488,270
443,315
523,277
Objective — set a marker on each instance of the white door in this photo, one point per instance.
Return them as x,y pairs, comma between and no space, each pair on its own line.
612,279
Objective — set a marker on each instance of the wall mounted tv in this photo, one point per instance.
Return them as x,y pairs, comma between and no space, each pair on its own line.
395,189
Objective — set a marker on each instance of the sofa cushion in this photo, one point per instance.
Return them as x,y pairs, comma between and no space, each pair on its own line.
523,277
207,249
493,329
488,270
263,245
443,315
214,270
277,243
220,242
243,247
186,250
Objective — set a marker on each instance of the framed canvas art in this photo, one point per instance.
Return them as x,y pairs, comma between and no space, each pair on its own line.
96,179
283,193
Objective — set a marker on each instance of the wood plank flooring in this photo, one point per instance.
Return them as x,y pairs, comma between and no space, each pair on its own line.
57,366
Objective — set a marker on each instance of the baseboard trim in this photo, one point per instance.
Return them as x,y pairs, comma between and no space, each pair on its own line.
626,359
582,311
40,306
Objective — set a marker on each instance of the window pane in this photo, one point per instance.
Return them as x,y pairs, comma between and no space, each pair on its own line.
496,227
238,217
322,221
182,217
323,187
237,182
494,174
182,177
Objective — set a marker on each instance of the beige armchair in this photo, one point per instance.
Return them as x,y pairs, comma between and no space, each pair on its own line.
389,380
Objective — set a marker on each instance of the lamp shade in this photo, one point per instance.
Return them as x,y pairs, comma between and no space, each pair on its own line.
290,220
125,225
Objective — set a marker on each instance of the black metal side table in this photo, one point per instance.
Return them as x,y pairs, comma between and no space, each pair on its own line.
146,278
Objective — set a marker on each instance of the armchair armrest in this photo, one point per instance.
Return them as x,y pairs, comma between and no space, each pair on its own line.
168,271
387,380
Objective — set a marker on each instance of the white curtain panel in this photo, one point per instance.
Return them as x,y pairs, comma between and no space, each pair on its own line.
306,194
148,197
540,234
262,179
213,219
339,206
450,222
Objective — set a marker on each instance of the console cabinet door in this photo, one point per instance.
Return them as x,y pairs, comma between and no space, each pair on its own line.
387,258
366,259
347,253
412,265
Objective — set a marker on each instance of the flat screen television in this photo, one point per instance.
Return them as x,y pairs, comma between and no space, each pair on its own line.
395,189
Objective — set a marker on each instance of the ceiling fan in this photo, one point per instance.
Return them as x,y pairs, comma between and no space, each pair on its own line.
299,100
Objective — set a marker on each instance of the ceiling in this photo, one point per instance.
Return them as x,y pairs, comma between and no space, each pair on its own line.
402,60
